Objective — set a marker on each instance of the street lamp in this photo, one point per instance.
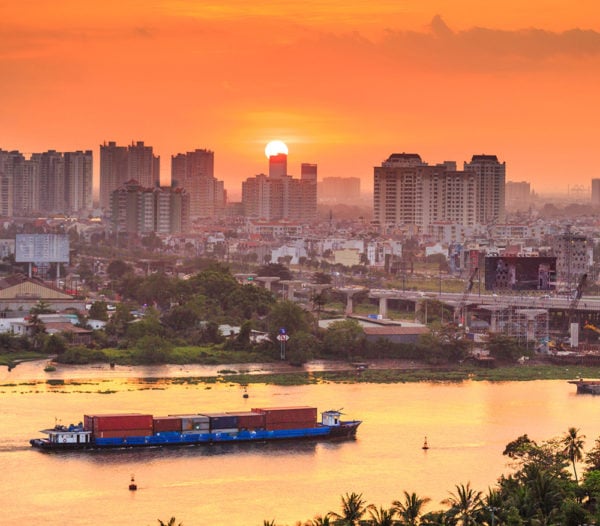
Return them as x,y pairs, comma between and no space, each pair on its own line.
492,509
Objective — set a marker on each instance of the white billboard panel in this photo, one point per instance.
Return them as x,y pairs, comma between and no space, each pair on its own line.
42,248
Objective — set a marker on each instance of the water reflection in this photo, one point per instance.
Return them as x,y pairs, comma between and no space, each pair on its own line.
149,454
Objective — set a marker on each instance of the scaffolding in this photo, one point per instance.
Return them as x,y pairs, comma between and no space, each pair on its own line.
524,325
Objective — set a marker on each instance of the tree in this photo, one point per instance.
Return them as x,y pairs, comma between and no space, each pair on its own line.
592,458
302,347
410,508
41,307
171,522
54,344
117,269
353,509
37,331
98,311
289,316
573,443
274,269
504,348
465,504
381,516
344,337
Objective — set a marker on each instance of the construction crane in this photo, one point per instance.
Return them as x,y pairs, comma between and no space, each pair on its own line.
459,314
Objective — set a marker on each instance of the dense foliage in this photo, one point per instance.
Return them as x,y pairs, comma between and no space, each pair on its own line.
540,491
158,313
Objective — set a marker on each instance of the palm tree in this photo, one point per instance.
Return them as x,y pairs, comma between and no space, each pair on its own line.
320,520
381,516
573,443
353,508
465,504
411,508
170,523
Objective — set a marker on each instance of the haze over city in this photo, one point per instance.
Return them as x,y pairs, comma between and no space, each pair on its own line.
342,84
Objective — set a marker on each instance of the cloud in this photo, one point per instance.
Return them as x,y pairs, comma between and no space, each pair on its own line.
490,49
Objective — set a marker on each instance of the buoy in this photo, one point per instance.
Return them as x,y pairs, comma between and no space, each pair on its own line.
425,445
132,484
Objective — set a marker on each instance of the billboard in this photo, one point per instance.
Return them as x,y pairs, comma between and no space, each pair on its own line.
520,273
42,248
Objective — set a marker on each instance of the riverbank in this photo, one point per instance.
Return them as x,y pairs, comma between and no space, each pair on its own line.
277,373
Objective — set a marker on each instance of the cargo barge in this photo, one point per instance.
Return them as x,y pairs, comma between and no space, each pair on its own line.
587,386
262,424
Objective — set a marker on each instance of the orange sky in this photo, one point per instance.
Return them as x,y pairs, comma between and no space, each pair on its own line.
343,83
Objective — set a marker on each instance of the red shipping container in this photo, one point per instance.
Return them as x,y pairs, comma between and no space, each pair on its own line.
121,421
123,433
250,420
166,423
288,414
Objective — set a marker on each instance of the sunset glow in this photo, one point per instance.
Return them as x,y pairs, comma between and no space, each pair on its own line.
346,83
275,148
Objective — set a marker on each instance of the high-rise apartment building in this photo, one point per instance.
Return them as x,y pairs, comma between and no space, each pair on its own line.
11,168
51,165
574,257
408,191
595,192
139,210
143,165
194,171
518,195
113,170
278,166
491,179
278,196
119,164
78,181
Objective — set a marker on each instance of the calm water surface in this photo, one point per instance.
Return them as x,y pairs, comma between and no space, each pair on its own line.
467,426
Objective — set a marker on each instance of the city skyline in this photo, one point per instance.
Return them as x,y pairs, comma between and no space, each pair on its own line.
343,85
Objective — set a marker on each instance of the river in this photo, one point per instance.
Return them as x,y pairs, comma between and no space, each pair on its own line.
467,426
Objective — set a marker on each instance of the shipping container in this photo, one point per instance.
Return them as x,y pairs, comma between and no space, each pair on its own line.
123,433
166,423
221,421
118,422
195,423
288,414
250,420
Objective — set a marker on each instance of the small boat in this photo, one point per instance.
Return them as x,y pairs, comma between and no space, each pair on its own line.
262,424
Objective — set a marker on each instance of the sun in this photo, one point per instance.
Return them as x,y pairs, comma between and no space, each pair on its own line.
274,148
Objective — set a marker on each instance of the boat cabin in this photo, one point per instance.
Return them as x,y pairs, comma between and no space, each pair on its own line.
68,435
331,418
